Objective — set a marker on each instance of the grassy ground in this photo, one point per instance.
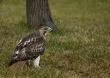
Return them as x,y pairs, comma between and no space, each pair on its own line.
79,49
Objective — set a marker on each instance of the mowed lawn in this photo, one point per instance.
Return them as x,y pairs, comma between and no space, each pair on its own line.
79,49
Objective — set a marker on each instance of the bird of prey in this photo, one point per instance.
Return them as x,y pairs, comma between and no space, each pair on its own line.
31,47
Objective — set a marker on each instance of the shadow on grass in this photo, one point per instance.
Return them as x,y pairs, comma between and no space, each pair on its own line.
1,1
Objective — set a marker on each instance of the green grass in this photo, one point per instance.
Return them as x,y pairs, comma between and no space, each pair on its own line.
79,49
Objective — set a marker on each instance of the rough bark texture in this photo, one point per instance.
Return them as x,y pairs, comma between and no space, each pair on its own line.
38,13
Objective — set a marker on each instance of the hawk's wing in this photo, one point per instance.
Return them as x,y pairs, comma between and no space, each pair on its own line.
30,47
30,41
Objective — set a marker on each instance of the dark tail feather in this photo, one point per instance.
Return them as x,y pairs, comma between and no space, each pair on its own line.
12,62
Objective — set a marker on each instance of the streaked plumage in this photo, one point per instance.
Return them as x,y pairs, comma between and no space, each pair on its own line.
31,46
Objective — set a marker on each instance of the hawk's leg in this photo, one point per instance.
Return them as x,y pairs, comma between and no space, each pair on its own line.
36,62
28,63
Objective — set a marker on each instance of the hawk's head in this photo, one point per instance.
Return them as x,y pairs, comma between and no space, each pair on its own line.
45,30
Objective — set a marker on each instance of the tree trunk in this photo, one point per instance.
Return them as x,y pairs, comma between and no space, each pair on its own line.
38,14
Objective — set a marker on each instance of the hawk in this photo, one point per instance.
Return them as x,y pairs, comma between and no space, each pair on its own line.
31,47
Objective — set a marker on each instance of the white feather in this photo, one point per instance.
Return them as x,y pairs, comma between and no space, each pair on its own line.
17,52
37,61
26,42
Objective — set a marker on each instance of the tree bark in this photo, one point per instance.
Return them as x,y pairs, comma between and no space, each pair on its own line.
38,14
